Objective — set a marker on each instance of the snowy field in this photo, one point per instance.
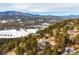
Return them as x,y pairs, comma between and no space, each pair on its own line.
13,33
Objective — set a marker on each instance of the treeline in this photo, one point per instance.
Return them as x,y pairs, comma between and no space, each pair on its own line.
8,44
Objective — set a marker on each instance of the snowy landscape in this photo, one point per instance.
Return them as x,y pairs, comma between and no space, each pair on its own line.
13,33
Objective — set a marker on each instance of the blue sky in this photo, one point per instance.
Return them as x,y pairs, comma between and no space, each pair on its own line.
42,8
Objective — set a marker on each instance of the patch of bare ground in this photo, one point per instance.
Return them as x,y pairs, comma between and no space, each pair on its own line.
12,52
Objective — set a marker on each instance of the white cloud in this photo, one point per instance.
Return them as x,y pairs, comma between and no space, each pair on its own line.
42,7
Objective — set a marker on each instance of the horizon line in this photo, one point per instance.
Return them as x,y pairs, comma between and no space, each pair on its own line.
43,13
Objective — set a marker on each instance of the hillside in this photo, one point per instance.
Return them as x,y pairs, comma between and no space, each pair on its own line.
59,38
8,15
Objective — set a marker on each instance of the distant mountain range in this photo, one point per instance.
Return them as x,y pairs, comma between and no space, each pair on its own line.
16,14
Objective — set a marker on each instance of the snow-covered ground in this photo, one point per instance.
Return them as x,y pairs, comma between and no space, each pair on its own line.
13,33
